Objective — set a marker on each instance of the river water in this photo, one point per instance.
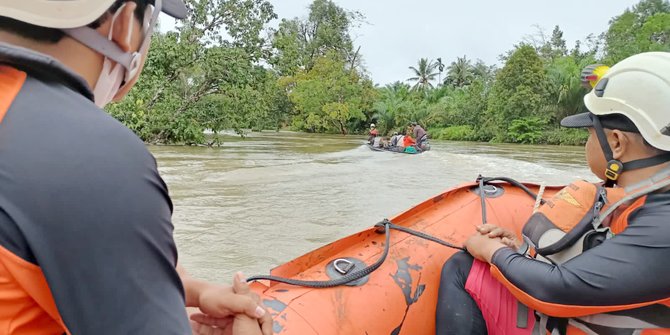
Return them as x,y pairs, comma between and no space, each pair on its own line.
258,202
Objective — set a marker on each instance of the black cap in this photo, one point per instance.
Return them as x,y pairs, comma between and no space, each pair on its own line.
610,121
175,8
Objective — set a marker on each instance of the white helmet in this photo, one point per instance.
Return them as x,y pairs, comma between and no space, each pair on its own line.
73,18
62,14
638,88
372,125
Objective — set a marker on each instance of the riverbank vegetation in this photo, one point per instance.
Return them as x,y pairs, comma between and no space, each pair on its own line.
226,68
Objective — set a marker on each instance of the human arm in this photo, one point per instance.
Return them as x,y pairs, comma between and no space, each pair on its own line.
483,247
221,305
624,272
233,324
243,324
488,239
99,228
506,236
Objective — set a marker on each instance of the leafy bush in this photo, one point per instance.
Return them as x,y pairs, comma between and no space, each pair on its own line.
526,130
565,136
454,133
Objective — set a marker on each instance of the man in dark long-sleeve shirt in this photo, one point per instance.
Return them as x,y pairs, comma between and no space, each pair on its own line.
617,287
420,135
86,244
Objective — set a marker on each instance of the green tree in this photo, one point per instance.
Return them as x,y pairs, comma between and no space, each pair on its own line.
466,105
391,106
460,73
555,47
654,35
645,27
424,74
329,97
298,43
519,90
565,89
648,8
483,72
197,79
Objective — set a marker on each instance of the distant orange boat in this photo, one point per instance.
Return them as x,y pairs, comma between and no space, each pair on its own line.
399,297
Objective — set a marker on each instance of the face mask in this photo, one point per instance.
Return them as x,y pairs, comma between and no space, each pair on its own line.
113,74
119,68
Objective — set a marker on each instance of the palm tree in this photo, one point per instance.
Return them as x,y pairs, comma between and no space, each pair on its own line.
398,88
424,74
566,85
460,73
482,71
391,106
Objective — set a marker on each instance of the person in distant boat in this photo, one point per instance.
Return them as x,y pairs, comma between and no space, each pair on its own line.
378,142
408,141
86,232
373,133
420,135
609,280
393,142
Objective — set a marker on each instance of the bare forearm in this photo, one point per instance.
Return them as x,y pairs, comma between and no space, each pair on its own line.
192,287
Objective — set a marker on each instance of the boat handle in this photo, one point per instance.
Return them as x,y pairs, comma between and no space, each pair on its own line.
347,267
491,190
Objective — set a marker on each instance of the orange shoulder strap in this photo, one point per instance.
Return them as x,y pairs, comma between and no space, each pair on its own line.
11,81
620,222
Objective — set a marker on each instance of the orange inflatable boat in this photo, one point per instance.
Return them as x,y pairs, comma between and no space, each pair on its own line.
397,290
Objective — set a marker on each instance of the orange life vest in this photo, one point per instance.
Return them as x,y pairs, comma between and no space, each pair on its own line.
580,217
408,141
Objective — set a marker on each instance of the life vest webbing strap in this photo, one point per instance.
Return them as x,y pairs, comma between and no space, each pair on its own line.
521,316
655,183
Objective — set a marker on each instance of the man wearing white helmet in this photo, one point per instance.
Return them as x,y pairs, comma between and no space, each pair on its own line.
603,271
373,134
86,243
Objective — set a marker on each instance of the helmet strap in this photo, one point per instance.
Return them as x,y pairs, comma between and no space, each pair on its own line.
647,162
615,167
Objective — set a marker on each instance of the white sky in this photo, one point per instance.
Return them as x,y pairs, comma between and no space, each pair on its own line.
399,32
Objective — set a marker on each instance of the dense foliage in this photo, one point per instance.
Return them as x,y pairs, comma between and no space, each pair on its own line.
224,68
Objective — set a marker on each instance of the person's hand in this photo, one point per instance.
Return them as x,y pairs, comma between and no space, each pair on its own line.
506,236
483,247
222,307
243,324
202,324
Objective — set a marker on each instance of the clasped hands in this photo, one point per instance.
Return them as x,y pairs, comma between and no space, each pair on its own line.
488,239
226,310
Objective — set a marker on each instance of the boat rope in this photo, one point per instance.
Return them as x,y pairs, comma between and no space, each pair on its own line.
386,226
538,200
510,181
339,281
482,198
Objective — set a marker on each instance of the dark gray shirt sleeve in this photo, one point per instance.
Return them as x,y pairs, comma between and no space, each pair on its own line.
94,215
627,269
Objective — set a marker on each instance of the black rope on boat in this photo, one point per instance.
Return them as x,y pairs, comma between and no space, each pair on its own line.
425,236
387,226
511,181
482,198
